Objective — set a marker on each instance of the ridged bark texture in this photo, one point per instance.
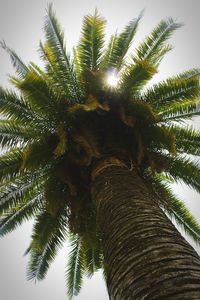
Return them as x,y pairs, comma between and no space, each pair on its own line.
145,256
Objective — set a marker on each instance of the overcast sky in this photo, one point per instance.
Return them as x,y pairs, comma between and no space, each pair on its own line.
21,25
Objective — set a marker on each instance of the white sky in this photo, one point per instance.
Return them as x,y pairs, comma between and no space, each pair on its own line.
21,25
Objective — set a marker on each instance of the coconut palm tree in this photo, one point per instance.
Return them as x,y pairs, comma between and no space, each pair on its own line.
89,151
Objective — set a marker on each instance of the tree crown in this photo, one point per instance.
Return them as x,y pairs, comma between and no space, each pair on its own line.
61,121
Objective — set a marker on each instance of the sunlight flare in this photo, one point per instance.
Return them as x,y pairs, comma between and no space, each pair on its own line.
112,78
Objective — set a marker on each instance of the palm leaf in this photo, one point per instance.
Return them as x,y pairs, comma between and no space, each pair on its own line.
13,106
13,191
171,92
134,77
93,260
21,212
39,153
75,267
48,236
107,58
154,46
175,208
13,134
160,137
12,194
181,112
119,45
10,163
76,63
193,73
37,94
59,64
91,42
184,169
18,64
187,140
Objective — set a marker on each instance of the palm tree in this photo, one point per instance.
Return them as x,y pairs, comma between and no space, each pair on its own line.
91,162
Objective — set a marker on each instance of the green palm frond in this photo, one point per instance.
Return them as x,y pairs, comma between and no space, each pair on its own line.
135,77
135,110
77,64
39,152
93,260
161,137
10,163
37,94
75,267
91,42
119,45
36,69
13,107
107,58
154,46
180,112
23,211
41,260
48,235
193,73
55,36
187,140
184,169
18,64
13,134
58,62
13,191
175,208
171,92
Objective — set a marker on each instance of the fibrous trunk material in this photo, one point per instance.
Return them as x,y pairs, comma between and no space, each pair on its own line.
145,256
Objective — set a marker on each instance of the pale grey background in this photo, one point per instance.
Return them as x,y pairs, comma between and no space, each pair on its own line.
21,23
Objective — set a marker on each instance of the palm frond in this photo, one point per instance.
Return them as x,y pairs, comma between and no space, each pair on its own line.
184,169
75,267
37,94
138,110
93,260
161,137
171,92
180,112
39,152
76,63
187,139
10,163
41,260
13,191
91,42
14,133
18,64
59,64
154,46
37,70
107,57
13,106
119,45
193,73
135,77
27,208
48,236
175,208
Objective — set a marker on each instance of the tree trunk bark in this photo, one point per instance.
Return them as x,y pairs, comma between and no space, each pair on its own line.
145,256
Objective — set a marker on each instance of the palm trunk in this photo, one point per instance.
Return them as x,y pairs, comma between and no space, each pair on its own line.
145,256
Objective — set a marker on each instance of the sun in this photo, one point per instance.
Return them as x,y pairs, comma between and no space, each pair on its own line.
112,78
